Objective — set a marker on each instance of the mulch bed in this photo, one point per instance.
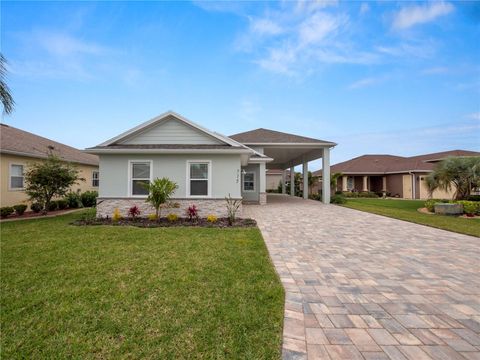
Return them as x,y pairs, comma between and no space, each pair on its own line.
163,222
32,214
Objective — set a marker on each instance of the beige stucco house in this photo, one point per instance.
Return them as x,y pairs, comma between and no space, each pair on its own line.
20,148
206,166
397,176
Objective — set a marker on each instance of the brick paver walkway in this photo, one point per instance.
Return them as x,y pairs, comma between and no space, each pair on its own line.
362,286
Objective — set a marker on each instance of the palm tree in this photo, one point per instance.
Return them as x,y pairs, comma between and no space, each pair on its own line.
5,95
463,173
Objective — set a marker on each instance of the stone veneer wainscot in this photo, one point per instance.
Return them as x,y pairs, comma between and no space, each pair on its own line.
217,207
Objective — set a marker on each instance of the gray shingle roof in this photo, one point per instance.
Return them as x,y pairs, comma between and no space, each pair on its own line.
13,140
266,136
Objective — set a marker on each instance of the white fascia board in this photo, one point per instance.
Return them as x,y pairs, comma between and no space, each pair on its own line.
320,145
160,118
166,151
262,160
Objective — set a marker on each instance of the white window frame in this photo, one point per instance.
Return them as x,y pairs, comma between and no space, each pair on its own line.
209,179
254,181
130,178
353,183
10,177
98,178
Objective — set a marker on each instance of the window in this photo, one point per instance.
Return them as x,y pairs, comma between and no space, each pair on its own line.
350,183
140,172
198,182
249,181
95,178
16,177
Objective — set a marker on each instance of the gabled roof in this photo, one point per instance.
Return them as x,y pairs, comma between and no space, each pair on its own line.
385,164
158,119
265,136
18,142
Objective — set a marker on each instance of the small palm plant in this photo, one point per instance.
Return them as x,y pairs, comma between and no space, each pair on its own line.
160,191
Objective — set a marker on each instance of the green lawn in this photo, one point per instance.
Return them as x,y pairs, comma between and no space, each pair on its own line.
407,210
109,292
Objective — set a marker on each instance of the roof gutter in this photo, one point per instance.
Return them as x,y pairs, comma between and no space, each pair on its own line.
36,156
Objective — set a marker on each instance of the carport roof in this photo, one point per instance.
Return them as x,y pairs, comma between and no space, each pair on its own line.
263,136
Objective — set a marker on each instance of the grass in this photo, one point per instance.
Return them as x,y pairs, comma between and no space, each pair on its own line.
407,210
109,292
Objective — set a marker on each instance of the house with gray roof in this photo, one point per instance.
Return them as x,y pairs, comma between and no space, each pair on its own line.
207,166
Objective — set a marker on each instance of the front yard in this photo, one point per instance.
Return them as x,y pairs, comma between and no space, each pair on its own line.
124,292
407,210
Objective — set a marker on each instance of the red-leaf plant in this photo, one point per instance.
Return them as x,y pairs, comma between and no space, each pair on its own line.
134,211
192,212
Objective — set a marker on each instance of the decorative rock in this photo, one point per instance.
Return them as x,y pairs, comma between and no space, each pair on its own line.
217,207
448,209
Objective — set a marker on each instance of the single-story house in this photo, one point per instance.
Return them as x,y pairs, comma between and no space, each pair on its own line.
19,148
396,176
206,165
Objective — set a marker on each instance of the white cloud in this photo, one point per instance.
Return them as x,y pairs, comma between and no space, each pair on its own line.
365,82
364,8
318,26
474,116
420,14
66,45
435,70
265,27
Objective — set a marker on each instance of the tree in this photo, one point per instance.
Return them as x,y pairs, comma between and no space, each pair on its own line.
334,180
5,95
50,178
463,173
160,190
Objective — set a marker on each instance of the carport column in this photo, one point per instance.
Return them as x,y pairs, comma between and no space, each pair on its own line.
344,183
326,176
292,181
365,183
284,180
263,182
305,180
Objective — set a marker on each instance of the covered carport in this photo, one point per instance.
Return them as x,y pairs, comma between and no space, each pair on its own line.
288,151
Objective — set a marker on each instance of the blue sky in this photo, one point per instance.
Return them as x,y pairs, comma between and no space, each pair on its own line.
375,77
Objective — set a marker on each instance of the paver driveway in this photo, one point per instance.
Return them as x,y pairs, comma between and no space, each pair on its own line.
363,286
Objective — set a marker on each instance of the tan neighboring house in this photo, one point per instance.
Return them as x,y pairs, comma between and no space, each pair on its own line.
20,148
397,176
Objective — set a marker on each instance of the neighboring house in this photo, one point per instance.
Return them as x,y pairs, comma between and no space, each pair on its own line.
206,166
19,148
396,176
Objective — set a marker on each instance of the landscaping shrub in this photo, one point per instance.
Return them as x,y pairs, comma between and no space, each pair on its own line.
192,212
20,209
473,198
430,204
172,217
62,204
134,211
338,199
317,197
36,207
361,194
116,215
89,198
212,218
52,206
152,217
74,200
6,211
232,208
338,192
469,207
